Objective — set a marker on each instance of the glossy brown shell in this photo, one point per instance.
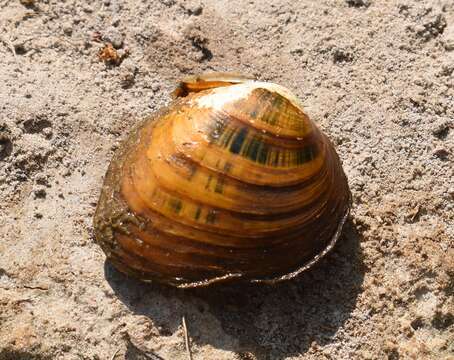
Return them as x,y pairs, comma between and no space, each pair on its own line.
232,181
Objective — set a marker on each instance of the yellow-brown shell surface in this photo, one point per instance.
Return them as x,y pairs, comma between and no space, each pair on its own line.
231,181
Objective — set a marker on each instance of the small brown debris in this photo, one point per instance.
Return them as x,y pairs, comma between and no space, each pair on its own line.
111,56
96,36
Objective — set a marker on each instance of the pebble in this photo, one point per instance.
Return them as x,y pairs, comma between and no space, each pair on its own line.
419,28
197,10
441,153
67,28
47,132
127,79
193,8
114,37
440,129
358,3
129,65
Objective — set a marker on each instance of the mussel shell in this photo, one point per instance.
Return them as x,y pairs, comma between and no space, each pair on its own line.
231,182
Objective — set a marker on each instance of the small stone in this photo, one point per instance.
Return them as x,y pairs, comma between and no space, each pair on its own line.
155,87
440,129
129,65
449,44
67,28
419,28
127,80
358,3
441,153
193,7
197,10
114,37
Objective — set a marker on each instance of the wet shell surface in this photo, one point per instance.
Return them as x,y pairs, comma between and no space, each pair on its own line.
232,181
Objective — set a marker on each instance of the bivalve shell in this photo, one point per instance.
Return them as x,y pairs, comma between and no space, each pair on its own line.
232,181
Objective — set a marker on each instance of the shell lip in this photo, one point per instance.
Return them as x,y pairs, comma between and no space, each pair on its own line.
196,83
273,280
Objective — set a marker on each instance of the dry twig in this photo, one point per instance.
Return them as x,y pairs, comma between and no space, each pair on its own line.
115,354
186,339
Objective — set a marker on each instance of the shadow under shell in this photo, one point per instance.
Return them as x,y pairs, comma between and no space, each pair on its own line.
268,321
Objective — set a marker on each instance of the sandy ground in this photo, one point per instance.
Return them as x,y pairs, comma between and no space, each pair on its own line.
376,75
